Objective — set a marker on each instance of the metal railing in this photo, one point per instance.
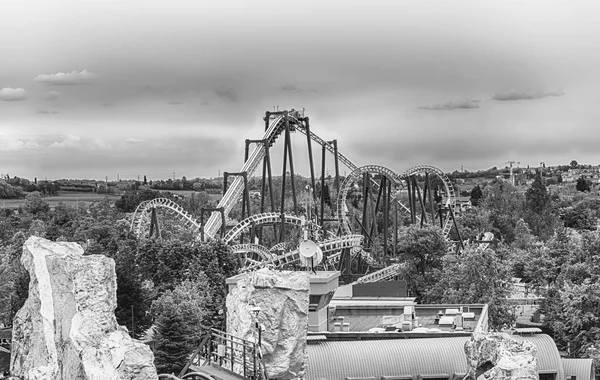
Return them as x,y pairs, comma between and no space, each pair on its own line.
234,354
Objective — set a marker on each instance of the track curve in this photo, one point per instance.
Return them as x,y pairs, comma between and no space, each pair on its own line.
260,250
339,243
353,177
258,219
448,188
141,212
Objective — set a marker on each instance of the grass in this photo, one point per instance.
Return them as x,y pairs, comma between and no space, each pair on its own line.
70,199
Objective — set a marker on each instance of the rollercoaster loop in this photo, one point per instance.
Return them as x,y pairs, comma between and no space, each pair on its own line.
142,214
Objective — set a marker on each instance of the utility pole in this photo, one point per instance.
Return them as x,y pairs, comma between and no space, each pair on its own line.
512,177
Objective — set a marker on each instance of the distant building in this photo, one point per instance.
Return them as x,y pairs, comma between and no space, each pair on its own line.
462,204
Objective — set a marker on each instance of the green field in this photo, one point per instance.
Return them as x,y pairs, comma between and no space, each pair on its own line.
71,199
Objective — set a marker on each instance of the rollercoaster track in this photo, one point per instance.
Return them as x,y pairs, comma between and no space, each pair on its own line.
344,160
333,260
258,219
380,275
448,187
339,243
236,188
353,177
260,250
143,209
276,126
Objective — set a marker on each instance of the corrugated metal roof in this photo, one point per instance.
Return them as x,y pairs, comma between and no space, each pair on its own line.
583,369
336,360
398,357
548,355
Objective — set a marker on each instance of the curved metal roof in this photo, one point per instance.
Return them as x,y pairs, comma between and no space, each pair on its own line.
334,360
583,369
394,357
548,355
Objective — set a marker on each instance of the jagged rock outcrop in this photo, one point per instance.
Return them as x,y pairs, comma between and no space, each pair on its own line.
497,356
283,298
67,327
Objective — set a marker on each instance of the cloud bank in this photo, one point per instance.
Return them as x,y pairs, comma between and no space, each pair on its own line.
462,104
13,94
71,141
227,93
524,95
133,140
72,78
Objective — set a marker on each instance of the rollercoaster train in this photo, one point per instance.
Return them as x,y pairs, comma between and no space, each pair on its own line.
412,194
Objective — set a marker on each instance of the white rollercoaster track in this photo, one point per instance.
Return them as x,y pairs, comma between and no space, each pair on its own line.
141,215
339,243
257,219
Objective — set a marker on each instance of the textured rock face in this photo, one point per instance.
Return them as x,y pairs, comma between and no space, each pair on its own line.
498,356
67,327
283,297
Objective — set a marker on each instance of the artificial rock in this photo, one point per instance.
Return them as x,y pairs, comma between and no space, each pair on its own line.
283,298
499,357
67,327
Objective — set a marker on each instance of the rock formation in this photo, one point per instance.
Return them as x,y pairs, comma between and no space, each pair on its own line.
497,356
67,327
283,298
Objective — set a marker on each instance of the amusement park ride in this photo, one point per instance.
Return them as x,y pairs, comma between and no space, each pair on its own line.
423,195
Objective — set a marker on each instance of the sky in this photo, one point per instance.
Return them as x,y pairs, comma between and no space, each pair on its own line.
95,89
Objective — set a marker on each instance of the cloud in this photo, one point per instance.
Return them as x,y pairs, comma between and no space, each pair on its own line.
176,103
12,94
47,111
133,140
72,78
100,144
227,93
32,145
289,87
462,104
524,94
71,141
52,95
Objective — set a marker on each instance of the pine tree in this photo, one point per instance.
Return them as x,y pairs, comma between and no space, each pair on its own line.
476,194
537,197
172,350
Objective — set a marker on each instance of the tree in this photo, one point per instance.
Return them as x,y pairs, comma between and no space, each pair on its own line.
191,299
539,212
422,250
537,197
574,164
172,351
476,194
145,180
505,204
476,276
575,317
582,216
35,205
583,184
179,314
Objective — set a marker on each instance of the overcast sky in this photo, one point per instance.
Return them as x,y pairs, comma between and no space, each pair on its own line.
90,89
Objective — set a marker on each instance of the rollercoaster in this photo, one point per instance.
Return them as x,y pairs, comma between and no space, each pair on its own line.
423,195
